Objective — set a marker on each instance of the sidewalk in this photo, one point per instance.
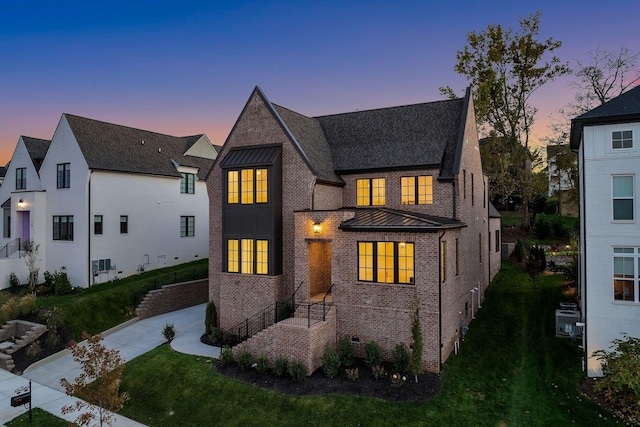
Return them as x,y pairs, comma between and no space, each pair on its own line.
132,339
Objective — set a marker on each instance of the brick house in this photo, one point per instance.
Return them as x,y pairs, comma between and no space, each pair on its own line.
352,217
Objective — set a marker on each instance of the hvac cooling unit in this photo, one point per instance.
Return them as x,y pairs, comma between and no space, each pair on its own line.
566,323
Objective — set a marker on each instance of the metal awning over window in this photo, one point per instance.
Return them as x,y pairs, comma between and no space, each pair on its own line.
383,219
251,156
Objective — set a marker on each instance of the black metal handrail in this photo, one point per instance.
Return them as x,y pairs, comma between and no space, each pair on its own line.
10,248
293,296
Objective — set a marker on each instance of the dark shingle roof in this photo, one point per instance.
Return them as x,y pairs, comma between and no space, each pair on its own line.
37,149
410,136
107,146
3,171
384,219
493,212
621,109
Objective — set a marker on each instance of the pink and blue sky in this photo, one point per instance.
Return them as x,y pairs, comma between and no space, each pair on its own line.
188,67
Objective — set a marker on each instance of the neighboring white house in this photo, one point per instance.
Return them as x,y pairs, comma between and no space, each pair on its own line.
107,200
608,142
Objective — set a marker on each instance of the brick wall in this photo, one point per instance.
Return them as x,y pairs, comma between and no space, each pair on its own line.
173,297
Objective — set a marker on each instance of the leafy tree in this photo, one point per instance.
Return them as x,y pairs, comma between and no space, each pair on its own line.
98,384
505,68
416,340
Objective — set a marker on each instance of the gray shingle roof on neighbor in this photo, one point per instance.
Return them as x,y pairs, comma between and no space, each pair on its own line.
384,219
37,149
621,109
111,147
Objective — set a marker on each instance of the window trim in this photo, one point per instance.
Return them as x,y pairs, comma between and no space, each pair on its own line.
627,252
373,271
621,140
632,198
63,175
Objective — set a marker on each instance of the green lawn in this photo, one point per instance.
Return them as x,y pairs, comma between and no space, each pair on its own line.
40,418
510,371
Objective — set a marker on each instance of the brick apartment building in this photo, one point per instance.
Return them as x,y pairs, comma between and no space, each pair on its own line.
354,215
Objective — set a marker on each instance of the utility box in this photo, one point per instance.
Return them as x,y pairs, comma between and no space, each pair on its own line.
566,323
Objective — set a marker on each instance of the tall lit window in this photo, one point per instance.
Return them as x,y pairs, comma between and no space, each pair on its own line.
21,178
232,256
246,256
370,192
621,139
233,187
386,262
416,190
623,198
365,261
187,226
626,265
261,186
187,183
63,227
63,175
246,187
405,262
262,257
443,260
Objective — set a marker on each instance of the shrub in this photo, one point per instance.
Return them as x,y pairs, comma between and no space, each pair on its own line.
347,351
17,306
226,356
372,354
169,332
401,358
14,282
280,366
215,335
245,359
49,279
210,318
34,349
62,285
621,368
52,340
542,226
262,364
330,362
378,371
297,371
519,251
352,374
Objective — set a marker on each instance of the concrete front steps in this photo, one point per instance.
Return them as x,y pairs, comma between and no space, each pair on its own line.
294,339
14,335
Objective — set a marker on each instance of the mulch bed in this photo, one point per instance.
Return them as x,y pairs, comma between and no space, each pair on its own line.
366,385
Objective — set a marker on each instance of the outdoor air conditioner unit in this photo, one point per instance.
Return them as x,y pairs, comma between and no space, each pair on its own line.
566,323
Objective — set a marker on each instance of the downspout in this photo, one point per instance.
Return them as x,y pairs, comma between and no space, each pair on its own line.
440,298
453,198
89,273
313,194
582,259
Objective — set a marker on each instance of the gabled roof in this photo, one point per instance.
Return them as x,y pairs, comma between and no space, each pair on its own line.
111,147
384,219
37,149
410,136
493,212
624,108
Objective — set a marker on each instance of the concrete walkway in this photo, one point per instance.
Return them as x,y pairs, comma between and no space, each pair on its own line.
131,339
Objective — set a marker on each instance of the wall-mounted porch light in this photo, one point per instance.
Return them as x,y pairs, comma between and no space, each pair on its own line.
20,203
317,227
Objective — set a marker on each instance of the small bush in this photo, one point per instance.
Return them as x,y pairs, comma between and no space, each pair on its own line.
245,359
210,318
280,366
621,382
262,364
401,358
542,226
347,351
34,349
519,251
378,371
297,371
52,341
14,282
352,374
372,354
226,356
215,335
169,332
49,279
17,306
330,362
62,285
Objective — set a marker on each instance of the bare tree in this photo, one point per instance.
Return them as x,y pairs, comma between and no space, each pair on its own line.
32,259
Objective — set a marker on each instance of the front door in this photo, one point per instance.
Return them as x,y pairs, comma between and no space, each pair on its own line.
319,268
24,225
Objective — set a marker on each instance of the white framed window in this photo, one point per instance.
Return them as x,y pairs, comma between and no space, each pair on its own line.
621,139
623,197
626,274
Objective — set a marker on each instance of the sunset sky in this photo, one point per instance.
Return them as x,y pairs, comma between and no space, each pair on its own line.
188,67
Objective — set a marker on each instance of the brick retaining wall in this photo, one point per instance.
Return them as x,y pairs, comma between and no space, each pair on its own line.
173,297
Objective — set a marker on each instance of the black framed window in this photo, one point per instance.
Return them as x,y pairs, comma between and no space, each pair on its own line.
21,178
63,227
248,256
386,262
187,226
64,175
187,183
97,224
124,224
